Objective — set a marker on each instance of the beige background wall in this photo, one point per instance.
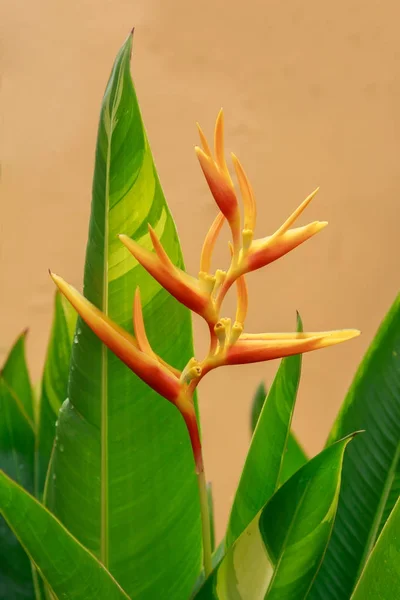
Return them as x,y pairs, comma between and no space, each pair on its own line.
311,93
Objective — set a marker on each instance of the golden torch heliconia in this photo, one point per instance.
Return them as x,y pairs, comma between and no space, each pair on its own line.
204,295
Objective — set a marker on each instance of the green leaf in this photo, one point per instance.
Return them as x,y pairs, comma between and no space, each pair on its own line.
16,459
54,385
125,482
211,512
381,575
15,373
371,481
71,572
279,553
295,457
262,470
257,404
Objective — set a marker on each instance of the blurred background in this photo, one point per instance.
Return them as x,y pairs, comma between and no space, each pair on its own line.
311,93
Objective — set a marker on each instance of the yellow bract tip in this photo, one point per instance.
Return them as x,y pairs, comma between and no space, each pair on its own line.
54,277
203,140
295,214
219,144
158,247
321,225
247,194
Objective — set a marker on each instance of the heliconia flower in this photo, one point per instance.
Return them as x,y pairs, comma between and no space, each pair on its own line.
252,348
179,284
229,344
124,345
218,178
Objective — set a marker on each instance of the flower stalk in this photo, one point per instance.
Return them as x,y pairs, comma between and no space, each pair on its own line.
205,523
187,408
204,295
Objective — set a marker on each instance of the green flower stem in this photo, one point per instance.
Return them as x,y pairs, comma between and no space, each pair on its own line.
205,523
186,406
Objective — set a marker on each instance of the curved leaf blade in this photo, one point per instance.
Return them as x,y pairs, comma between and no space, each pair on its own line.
16,458
295,458
70,571
262,470
381,575
279,553
15,373
256,405
125,483
54,386
370,481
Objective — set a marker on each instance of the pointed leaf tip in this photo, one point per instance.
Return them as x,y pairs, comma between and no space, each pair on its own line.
299,322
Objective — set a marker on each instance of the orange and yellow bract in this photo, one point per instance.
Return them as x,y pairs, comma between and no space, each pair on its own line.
204,295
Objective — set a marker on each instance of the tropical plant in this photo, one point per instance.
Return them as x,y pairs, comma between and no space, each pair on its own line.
103,489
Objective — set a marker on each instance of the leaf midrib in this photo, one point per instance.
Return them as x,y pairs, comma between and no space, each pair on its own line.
104,373
104,526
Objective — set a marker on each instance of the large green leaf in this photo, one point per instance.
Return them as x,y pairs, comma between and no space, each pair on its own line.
381,575
262,470
123,479
370,482
54,385
69,570
279,553
16,459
